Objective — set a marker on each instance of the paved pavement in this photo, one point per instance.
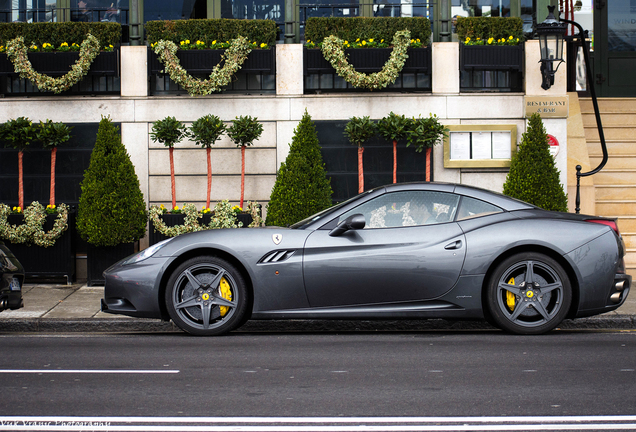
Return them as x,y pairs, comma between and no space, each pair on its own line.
68,308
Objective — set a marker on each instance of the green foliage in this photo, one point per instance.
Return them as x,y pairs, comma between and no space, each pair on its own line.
53,134
359,130
533,176
379,28
487,27
19,133
426,132
56,33
206,130
209,30
394,127
245,130
112,209
168,131
301,187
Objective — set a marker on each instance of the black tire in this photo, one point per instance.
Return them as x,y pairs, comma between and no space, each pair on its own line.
197,299
529,293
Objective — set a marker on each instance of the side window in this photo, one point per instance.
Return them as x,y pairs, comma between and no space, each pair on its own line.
408,208
471,207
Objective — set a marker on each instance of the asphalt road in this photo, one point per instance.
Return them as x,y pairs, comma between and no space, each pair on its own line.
320,374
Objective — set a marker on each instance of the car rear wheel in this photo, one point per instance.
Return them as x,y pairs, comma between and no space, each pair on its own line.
206,296
529,293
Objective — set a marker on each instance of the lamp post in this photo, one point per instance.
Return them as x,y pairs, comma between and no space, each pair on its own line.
551,33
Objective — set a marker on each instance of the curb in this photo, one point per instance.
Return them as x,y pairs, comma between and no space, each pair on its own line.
128,325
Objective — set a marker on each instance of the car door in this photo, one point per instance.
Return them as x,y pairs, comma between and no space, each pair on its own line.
401,255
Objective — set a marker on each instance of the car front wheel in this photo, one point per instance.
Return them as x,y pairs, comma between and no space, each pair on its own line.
206,296
529,293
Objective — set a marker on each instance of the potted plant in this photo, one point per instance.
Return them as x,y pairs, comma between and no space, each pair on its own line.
301,187
19,133
394,127
424,133
205,131
112,211
169,132
243,132
359,130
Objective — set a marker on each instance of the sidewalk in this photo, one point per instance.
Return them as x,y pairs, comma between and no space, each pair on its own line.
76,308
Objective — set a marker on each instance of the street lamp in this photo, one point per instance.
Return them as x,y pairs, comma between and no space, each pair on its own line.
551,32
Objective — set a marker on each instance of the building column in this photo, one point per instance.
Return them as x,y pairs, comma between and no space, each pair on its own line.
134,70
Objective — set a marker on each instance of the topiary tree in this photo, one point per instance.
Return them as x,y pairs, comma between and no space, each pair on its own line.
533,176
112,209
243,132
359,130
19,133
301,187
206,131
52,135
424,133
168,132
394,127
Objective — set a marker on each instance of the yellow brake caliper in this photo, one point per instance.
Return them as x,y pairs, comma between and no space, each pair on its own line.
510,297
226,293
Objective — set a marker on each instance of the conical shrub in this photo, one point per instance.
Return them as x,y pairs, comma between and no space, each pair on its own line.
533,175
112,209
301,187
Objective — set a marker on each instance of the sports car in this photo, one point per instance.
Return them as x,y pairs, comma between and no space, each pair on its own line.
404,251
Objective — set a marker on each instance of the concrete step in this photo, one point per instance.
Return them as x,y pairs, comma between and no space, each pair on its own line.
630,258
608,105
626,224
629,239
615,162
611,133
610,192
614,148
610,120
626,177
616,207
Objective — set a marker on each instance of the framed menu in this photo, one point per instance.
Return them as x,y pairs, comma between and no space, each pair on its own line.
475,146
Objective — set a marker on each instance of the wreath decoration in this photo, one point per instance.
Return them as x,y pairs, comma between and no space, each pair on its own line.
17,53
233,59
224,217
31,232
333,50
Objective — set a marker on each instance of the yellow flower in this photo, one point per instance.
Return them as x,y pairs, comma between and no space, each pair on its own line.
110,46
64,44
364,42
371,40
263,45
214,42
490,40
418,40
176,208
358,40
182,43
511,37
188,41
467,39
382,41
162,206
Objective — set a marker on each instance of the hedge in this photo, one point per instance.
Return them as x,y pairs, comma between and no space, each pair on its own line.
378,28
107,33
487,27
209,30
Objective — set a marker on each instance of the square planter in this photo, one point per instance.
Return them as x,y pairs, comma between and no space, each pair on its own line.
53,261
485,57
60,63
171,220
101,257
203,61
367,60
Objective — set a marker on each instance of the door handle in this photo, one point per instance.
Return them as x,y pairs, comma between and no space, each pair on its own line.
454,245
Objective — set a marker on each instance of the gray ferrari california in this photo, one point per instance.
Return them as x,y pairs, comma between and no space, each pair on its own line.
405,251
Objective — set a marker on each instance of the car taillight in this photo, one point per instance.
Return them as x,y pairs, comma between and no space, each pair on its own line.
610,223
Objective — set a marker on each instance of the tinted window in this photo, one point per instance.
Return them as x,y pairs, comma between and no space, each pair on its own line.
408,208
471,207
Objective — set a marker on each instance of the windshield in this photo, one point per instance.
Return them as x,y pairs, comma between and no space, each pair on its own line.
326,212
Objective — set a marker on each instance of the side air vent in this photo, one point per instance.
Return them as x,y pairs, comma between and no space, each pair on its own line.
277,256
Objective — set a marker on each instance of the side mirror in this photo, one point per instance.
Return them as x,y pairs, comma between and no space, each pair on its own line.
353,222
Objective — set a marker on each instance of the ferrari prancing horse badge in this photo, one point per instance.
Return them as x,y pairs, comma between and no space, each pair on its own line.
277,238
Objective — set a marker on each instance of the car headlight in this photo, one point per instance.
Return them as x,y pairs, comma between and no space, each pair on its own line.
146,253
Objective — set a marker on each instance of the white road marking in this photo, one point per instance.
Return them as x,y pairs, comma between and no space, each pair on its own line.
88,371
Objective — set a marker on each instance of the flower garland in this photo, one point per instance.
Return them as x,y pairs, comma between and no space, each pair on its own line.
31,230
332,49
234,57
255,210
17,53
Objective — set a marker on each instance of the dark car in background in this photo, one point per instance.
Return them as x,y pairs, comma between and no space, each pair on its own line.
11,280
403,251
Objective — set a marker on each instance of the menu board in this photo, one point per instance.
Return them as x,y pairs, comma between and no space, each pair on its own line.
460,145
482,145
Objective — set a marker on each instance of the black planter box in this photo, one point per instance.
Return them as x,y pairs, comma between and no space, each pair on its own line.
53,261
485,57
203,61
171,220
60,63
101,257
368,60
